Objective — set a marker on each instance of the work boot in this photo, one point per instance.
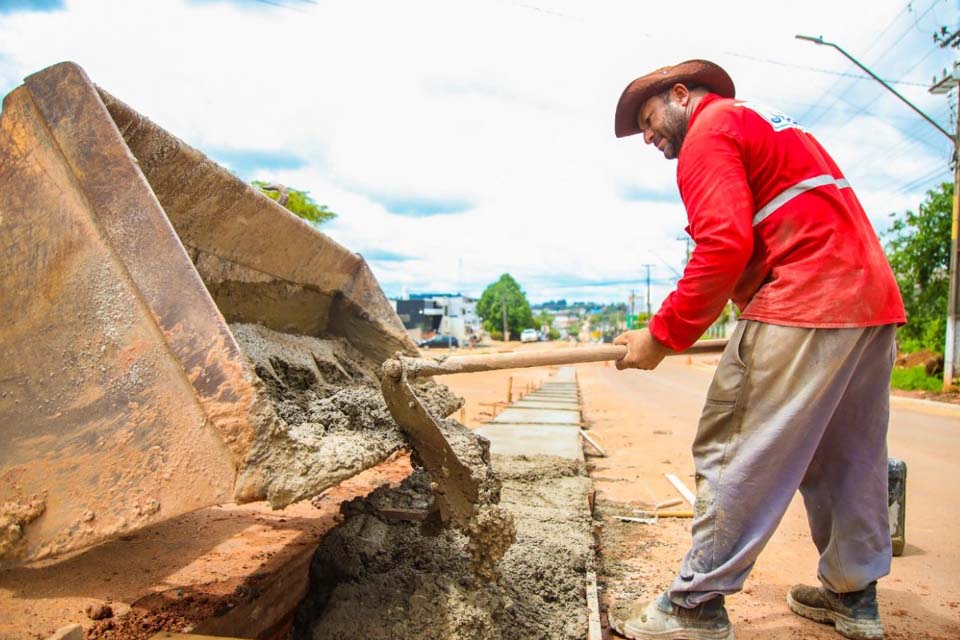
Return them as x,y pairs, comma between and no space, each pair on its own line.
855,615
660,619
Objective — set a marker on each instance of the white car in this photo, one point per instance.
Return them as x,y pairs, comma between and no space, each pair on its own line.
529,335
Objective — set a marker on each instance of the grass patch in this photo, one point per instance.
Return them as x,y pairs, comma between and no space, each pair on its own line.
914,379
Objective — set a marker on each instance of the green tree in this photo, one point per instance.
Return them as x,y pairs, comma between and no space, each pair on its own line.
918,247
296,201
505,292
544,319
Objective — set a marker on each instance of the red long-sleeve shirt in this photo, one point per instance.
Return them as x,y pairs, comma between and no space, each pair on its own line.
778,230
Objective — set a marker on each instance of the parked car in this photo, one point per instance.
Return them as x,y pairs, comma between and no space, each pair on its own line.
440,342
529,335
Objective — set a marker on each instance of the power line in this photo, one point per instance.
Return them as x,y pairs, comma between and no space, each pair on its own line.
913,185
855,76
836,83
914,137
541,10
887,49
601,284
925,56
854,108
906,31
873,43
900,149
914,66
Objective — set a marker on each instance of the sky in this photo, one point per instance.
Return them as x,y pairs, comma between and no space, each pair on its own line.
459,140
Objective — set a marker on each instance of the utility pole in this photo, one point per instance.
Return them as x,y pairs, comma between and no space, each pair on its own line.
951,356
649,311
951,350
506,328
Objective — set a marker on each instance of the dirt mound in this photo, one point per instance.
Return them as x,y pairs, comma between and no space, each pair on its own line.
930,361
373,577
178,610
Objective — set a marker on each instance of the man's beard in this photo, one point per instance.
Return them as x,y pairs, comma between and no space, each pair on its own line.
674,128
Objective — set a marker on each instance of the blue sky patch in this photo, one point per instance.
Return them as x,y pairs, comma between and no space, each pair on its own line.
639,194
574,282
246,162
9,74
422,207
382,255
13,6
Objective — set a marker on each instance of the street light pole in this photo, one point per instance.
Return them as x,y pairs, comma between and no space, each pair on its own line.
951,356
820,40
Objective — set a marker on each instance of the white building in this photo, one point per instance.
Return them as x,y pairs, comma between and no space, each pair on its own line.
449,314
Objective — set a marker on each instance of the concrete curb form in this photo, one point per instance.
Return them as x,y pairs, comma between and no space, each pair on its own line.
540,429
922,404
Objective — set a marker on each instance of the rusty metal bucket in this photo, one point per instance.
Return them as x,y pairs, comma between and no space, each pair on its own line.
124,397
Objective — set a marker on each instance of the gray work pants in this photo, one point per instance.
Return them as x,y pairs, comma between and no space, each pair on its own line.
791,408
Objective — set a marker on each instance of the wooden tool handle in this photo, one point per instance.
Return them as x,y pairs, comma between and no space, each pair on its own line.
423,367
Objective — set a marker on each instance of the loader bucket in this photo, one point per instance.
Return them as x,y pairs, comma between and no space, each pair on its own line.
124,397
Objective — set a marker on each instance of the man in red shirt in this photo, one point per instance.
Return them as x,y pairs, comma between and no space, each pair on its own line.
800,399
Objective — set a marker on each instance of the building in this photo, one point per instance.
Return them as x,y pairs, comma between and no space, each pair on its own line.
426,314
421,318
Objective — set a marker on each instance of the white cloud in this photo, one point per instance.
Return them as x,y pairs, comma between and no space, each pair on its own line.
504,107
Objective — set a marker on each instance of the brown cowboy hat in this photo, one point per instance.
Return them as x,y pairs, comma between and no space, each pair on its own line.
693,73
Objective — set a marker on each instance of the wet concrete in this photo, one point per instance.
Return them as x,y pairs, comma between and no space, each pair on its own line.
537,416
546,404
377,578
520,439
333,422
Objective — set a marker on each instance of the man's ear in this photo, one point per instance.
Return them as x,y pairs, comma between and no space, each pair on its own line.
681,95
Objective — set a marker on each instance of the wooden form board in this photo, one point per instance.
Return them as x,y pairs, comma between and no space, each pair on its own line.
594,630
682,488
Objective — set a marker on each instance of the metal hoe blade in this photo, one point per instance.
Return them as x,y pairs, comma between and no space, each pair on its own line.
456,490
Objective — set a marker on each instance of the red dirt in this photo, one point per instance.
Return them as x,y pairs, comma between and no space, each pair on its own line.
951,397
227,570
916,359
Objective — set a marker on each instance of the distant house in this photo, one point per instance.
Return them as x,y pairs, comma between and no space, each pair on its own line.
421,318
424,314
562,321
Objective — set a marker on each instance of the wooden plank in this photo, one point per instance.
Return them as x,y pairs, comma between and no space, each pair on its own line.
679,513
593,443
407,515
637,519
682,488
594,630
173,635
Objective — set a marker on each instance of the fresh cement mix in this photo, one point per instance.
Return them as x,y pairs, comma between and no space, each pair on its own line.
333,421
375,577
